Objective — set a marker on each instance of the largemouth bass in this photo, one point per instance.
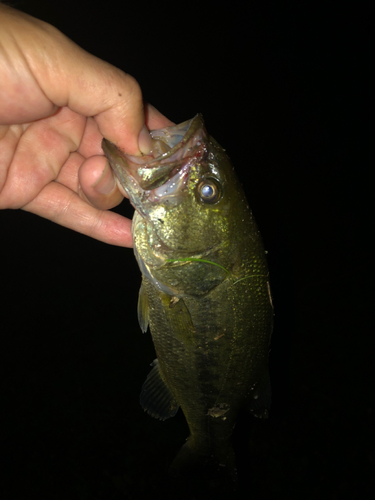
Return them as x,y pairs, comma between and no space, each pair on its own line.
205,288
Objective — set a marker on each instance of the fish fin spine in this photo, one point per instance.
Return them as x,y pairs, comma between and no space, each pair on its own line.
156,399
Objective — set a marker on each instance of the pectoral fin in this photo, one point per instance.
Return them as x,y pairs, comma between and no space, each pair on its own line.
155,397
143,309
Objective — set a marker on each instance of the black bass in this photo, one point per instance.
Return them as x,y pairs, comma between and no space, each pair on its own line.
205,290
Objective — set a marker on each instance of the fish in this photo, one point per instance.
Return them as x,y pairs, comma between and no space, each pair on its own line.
205,292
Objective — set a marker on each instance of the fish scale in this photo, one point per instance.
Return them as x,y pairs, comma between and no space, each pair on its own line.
205,290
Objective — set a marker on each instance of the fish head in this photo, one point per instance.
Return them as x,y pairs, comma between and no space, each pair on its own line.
188,206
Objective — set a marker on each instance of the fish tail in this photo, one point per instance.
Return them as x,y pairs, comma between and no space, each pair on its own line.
210,472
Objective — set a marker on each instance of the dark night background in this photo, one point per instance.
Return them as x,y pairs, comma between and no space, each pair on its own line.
286,89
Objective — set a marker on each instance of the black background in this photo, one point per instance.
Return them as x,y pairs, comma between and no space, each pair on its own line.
287,90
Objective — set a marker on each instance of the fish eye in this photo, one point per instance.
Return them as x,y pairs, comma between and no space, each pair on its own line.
209,191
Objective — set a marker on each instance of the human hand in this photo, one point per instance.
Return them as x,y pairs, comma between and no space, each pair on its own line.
56,104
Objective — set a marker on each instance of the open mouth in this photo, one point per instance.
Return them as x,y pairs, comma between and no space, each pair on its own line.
165,169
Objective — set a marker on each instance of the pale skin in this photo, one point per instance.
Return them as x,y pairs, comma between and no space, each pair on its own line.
57,102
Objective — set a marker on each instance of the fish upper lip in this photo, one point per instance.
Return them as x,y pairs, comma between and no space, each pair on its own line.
155,172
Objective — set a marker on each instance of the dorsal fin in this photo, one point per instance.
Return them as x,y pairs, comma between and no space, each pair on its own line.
261,400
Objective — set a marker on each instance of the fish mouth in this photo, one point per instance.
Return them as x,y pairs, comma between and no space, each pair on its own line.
163,172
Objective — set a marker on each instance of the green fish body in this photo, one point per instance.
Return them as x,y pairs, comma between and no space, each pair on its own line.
205,290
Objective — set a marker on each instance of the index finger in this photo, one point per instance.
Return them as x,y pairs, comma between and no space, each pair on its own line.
69,76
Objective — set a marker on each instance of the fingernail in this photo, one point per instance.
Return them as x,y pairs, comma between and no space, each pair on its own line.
145,141
106,183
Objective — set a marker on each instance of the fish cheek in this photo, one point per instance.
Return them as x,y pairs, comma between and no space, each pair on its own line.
192,226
